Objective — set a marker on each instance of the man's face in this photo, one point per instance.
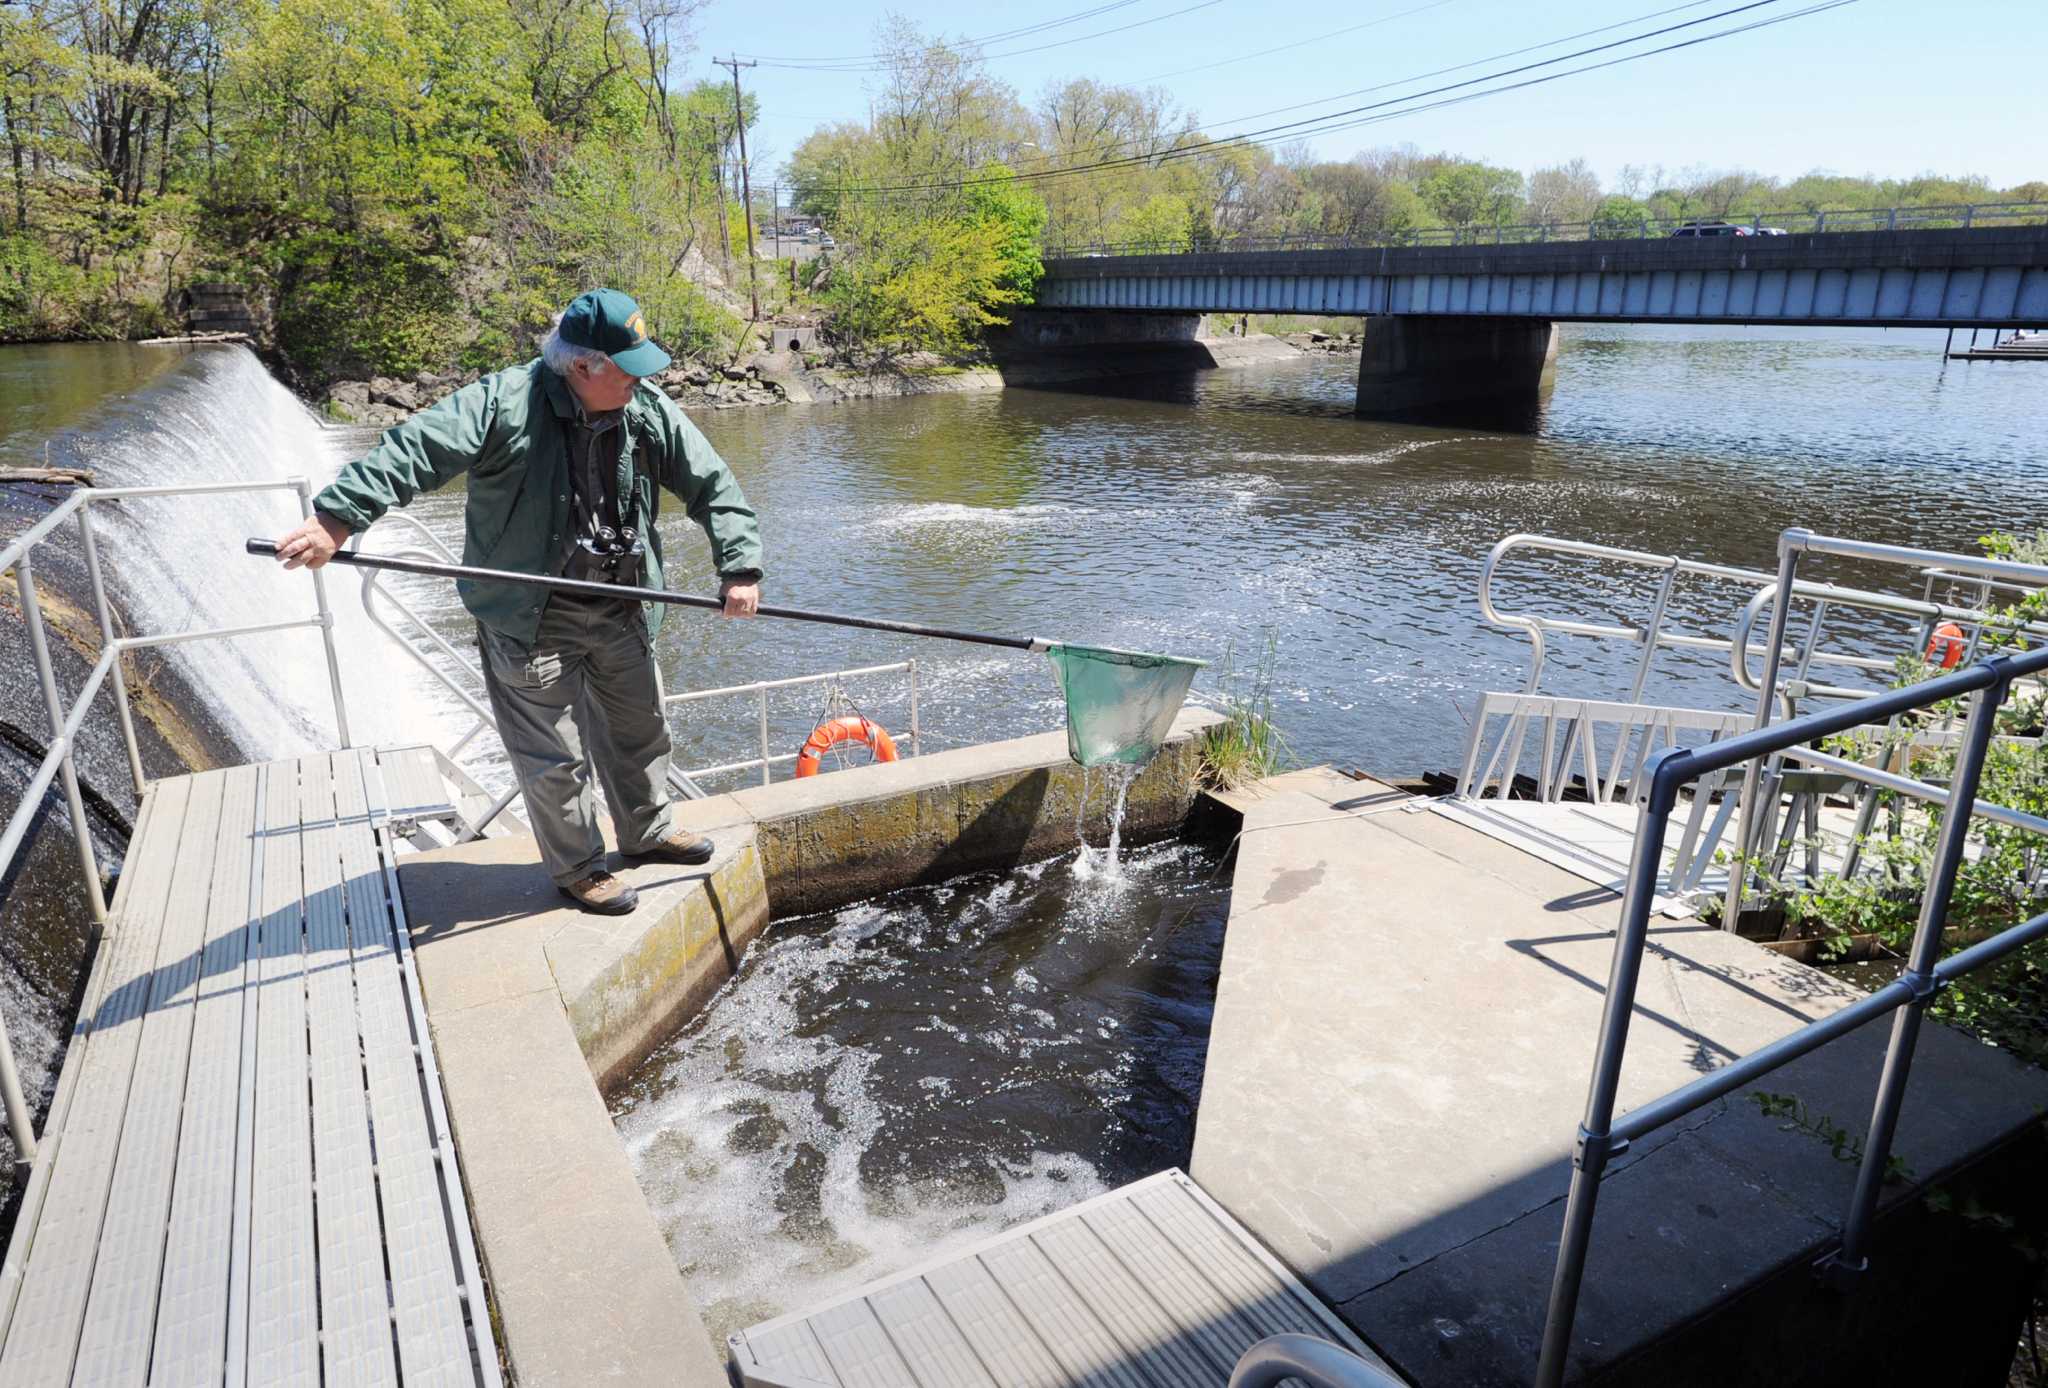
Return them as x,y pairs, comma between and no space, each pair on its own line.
600,385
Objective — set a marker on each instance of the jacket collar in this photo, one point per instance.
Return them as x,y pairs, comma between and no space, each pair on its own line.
557,389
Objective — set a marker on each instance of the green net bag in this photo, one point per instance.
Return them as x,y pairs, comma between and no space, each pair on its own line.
1120,704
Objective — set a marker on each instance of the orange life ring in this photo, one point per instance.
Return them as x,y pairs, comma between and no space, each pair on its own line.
846,728
1946,648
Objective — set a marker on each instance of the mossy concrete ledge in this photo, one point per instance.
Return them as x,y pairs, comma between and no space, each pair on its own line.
832,840
536,1008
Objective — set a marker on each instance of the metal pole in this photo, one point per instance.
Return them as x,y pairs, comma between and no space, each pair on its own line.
1774,645
99,597
916,747
1919,976
305,491
1596,1146
764,737
19,1123
32,611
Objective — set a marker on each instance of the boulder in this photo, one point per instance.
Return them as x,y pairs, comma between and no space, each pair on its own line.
399,395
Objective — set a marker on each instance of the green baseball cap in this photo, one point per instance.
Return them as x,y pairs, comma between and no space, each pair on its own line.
610,322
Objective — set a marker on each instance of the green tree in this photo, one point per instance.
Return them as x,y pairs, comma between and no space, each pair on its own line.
1467,193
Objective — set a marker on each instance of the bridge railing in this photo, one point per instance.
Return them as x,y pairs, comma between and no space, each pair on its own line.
1799,223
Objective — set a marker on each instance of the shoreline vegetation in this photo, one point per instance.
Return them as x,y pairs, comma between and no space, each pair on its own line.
787,377
404,189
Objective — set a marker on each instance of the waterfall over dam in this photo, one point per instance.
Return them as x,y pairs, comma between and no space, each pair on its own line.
175,564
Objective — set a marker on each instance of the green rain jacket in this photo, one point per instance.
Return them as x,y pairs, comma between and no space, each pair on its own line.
508,432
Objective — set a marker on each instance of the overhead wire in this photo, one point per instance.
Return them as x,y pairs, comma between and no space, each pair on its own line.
1475,62
1302,43
883,64
1374,112
1004,36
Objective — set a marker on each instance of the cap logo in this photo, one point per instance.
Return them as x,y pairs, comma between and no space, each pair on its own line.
638,327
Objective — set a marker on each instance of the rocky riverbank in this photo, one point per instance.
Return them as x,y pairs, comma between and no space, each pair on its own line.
808,378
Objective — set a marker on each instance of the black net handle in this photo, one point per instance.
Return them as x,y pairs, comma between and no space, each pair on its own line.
620,590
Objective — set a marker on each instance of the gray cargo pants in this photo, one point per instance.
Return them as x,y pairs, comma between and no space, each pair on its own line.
582,697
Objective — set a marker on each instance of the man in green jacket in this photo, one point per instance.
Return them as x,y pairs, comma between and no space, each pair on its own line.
566,457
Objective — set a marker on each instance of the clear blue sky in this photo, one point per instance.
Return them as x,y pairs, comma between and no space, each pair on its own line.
1889,87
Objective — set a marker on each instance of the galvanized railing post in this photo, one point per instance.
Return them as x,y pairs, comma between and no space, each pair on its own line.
764,737
81,829
305,492
106,614
1596,1147
1853,1256
916,744
1753,777
20,1125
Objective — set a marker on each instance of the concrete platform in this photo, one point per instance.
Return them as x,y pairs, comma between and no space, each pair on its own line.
1402,1040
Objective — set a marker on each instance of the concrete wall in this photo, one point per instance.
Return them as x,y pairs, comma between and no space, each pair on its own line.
1417,364
1037,331
833,840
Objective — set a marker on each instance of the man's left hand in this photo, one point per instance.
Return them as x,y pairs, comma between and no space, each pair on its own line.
741,599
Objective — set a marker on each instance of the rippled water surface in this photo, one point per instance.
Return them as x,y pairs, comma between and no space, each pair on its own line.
1204,516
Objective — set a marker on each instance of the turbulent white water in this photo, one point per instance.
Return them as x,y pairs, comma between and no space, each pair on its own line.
907,1076
177,563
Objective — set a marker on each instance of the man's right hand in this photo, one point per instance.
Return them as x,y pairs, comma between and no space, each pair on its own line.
313,543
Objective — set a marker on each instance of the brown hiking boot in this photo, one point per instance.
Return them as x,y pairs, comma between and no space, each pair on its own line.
676,846
603,893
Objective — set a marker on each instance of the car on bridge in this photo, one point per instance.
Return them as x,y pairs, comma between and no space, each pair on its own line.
1710,228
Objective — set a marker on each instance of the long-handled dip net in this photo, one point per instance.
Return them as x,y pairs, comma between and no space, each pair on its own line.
1120,704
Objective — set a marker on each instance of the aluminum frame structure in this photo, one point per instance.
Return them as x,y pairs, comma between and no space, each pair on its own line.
1601,1136
1741,645
58,760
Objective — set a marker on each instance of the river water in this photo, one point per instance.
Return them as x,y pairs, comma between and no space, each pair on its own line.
1242,517
1246,518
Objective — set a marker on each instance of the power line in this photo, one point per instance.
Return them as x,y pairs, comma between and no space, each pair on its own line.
1300,43
1462,67
776,60
884,64
1476,62
1375,112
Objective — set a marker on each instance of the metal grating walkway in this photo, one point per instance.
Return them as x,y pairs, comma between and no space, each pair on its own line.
246,1177
1153,1285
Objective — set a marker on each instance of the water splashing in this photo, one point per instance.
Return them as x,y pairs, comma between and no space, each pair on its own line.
1103,864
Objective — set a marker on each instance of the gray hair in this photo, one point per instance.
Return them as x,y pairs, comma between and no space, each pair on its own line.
560,355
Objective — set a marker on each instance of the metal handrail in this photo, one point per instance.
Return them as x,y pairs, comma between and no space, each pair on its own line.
1740,645
760,689
683,781
1311,1360
59,760
1792,543
1601,1136
1814,223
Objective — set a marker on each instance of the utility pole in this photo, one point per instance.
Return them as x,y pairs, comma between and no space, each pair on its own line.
739,118
775,215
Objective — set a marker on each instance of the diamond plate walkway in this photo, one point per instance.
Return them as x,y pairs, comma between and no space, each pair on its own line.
246,1177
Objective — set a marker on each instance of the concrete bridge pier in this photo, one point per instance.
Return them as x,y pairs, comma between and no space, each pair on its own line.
1418,363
